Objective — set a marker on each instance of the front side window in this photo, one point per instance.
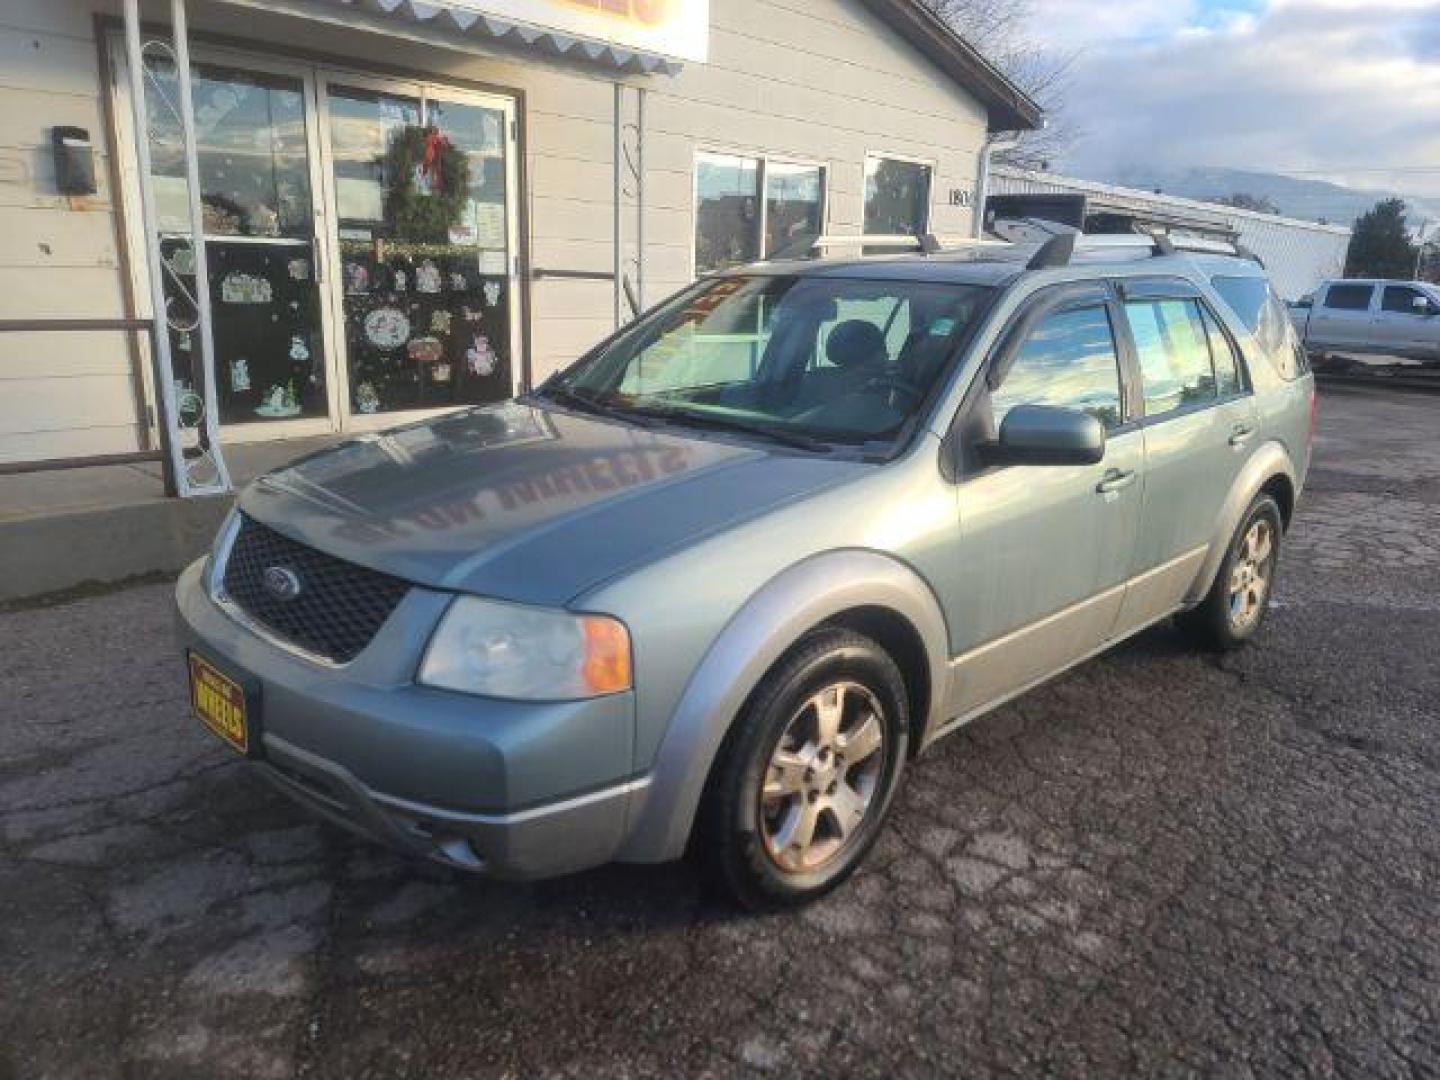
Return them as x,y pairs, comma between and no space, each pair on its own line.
897,197
1349,297
1401,299
828,360
1173,347
1068,361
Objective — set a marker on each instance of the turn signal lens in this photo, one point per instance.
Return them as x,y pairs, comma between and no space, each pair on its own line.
607,655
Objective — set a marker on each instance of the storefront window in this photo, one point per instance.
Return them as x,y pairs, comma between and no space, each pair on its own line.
897,197
793,206
727,211
734,225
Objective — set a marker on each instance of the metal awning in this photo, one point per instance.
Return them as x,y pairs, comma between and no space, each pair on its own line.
455,27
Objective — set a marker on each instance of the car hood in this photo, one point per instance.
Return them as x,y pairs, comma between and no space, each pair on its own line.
525,503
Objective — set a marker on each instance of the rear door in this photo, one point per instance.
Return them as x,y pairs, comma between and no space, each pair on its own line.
1400,326
1342,316
1199,422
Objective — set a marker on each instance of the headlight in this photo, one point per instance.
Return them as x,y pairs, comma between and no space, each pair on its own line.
530,654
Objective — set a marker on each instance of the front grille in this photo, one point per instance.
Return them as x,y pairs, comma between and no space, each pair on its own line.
339,606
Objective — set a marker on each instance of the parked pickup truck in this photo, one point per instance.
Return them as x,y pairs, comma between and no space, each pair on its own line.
1393,318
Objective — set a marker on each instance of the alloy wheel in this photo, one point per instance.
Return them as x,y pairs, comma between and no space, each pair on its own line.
1251,575
822,777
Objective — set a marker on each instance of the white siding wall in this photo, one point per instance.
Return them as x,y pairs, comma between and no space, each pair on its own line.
821,80
60,395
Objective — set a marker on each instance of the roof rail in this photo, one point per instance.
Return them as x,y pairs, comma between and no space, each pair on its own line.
1059,250
926,244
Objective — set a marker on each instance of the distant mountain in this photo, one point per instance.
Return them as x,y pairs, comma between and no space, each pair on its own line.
1297,197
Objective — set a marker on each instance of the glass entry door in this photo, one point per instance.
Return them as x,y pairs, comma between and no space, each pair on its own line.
361,238
421,182
255,139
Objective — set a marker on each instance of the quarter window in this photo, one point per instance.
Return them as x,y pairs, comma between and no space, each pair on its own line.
1174,351
749,208
1068,361
897,197
1349,297
1255,302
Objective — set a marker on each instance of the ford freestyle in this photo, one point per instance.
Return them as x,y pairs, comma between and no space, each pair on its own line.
712,587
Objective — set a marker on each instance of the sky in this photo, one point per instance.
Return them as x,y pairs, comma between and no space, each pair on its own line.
1340,90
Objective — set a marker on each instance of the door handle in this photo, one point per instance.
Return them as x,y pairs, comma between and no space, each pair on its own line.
1241,435
1115,480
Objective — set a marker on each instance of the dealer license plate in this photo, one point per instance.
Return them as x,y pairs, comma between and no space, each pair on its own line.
219,702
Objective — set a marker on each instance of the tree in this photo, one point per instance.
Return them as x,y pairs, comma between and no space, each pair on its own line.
999,31
1242,200
1380,243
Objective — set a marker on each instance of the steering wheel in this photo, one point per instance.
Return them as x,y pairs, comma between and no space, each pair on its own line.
890,383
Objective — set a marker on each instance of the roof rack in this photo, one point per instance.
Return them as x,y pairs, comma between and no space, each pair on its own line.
1059,250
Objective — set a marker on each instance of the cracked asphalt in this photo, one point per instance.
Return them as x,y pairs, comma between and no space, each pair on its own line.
1161,864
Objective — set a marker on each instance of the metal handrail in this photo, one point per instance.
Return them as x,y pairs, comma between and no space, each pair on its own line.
162,455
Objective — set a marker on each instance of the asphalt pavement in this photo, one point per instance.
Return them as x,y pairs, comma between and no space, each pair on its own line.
1161,864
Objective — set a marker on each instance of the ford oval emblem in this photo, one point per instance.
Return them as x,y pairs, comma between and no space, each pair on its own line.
281,582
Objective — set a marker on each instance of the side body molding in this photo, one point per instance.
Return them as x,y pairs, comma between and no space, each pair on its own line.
1267,460
771,621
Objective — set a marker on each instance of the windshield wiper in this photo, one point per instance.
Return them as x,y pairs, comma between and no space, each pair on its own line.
734,423
565,395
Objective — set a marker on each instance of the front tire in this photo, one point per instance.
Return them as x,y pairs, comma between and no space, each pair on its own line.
1234,609
805,780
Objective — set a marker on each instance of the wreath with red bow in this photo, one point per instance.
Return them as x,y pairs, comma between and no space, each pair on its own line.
428,182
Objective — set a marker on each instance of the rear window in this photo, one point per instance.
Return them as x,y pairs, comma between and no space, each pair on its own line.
1255,303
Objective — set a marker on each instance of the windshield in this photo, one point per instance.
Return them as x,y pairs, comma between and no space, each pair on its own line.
811,361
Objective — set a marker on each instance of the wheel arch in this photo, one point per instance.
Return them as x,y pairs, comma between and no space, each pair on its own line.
864,590
1269,470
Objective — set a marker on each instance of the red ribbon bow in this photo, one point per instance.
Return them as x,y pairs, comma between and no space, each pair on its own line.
436,146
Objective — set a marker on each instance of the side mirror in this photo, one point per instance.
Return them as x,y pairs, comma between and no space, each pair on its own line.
1422,305
1045,435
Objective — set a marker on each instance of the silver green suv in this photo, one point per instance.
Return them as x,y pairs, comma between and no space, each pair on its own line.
714,585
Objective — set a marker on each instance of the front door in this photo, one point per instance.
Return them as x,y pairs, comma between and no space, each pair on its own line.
361,243
1045,550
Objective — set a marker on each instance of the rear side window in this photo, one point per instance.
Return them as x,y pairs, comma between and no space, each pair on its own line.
1173,346
1227,365
1401,299
1068,360
1349,297
1265,316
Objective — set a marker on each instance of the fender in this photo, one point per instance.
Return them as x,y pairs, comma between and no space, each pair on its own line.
1269,459
771,621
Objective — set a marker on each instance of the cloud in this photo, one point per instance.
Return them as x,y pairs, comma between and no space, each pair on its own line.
1341,89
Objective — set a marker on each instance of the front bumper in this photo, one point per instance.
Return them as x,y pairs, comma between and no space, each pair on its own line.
512,789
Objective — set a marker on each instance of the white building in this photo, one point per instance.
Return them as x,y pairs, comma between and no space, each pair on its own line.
411,206
1298,254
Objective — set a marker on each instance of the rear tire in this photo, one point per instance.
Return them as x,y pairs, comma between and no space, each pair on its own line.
1234,609
805,779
